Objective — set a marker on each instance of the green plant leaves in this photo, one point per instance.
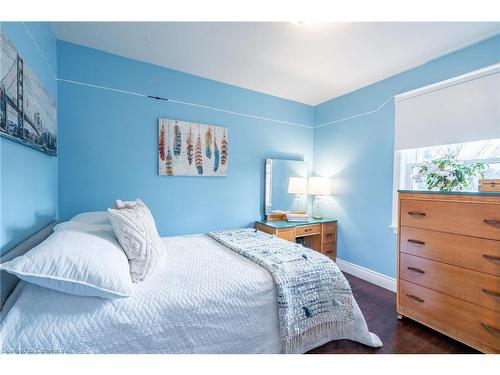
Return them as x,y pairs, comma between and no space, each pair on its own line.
447,173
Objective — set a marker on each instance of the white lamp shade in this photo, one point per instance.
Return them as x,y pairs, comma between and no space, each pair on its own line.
297,185
319,186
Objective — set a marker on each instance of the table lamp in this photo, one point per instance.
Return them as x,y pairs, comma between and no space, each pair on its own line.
318,186
297,186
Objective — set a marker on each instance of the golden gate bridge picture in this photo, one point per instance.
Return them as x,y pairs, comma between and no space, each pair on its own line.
27,110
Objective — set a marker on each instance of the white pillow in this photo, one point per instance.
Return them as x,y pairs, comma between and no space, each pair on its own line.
78,258
87,221
135,229
95,217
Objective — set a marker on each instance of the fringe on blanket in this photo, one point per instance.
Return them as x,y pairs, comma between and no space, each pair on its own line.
310,337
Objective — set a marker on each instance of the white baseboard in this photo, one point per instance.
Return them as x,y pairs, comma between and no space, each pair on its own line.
368,275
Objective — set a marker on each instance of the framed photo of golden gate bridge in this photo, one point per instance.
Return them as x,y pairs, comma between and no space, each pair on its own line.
27,110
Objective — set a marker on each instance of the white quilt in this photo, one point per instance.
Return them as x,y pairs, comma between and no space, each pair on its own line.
203,298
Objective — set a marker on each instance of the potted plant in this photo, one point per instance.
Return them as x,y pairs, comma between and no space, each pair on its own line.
449,174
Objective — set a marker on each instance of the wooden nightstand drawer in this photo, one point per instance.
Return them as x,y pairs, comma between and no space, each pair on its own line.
471,286
307,230
320,235
471,219
329,250
478,254
288,235
462,320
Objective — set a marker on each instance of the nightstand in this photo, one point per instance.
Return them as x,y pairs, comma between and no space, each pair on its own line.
317,234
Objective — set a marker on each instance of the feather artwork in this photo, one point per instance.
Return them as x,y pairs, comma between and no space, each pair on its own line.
169,161
198,157
161,144
216,154
189,147
170,166
223,150
208,143
177,140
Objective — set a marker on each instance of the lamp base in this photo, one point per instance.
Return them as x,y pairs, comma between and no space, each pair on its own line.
316,214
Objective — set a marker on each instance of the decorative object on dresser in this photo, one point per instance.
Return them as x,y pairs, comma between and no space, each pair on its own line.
301,217
489,184
447,173
319,235
318,186
449,264
297,186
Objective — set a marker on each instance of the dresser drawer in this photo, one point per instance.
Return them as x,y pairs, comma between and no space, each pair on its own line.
467,322
329,233
286,234
329,249
472,286
472,219
308,230
470,252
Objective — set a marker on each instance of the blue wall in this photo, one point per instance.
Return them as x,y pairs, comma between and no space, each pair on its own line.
107,147
358,155
28,177
108,142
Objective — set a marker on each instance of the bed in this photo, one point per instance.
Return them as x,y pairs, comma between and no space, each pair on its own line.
202,298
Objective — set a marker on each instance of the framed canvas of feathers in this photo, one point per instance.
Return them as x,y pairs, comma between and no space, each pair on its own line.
192,149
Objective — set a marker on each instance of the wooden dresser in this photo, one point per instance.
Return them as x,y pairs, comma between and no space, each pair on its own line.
449,264
319,235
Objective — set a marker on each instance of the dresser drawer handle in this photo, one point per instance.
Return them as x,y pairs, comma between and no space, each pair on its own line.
490,328
416,242
415,298
416,214
307,230
495,223
491,257
491,293
416,269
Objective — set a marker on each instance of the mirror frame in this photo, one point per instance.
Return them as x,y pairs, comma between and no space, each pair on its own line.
268,186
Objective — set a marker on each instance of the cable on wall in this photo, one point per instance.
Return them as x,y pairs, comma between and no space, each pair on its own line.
39,50
183,103
282,122
355,116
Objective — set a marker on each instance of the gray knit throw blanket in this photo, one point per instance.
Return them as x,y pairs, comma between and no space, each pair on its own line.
314,297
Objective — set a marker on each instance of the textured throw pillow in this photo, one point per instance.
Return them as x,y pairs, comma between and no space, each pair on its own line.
136,232
82,259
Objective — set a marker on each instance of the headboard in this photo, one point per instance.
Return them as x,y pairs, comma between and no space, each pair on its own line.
8,281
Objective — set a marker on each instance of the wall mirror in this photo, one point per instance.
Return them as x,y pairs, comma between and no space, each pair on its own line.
286,186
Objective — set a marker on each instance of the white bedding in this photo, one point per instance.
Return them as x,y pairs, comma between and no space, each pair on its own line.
203,298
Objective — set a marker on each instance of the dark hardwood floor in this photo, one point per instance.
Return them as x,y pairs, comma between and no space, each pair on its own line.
399,336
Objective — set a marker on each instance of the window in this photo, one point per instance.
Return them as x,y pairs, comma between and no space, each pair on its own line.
459,116
487,152
408,162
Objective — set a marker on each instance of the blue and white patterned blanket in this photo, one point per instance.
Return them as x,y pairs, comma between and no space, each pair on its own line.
313,295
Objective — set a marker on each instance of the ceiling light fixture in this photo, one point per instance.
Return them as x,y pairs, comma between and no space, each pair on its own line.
299,23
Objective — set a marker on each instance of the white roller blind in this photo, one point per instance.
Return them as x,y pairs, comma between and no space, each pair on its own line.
462,109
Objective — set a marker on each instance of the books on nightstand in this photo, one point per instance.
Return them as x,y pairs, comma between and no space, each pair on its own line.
297,217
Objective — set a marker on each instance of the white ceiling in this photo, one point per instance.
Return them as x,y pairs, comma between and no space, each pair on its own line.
309,64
